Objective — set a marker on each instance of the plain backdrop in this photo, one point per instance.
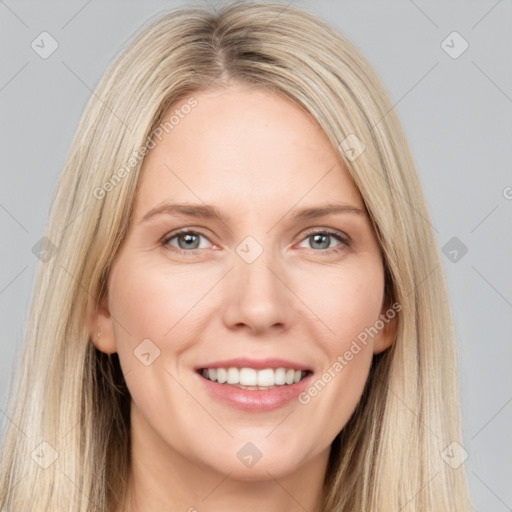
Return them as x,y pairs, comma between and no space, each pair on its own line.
455,104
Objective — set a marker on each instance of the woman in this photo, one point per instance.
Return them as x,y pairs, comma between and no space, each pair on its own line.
190,346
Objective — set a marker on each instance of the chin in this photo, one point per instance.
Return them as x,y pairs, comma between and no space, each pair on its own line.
257,461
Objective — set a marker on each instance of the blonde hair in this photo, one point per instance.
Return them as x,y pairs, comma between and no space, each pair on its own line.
73,397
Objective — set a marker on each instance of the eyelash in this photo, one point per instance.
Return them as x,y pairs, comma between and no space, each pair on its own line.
338,235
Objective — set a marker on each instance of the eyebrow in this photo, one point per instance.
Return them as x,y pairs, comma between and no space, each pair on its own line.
205,211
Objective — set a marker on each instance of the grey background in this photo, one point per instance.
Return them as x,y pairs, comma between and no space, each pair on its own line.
456,113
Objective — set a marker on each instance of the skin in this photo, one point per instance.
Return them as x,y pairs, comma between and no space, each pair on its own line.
257,157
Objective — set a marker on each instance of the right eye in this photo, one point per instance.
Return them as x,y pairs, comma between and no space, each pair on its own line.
186,241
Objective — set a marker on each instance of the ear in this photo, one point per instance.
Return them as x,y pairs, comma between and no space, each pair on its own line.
387,334
101,327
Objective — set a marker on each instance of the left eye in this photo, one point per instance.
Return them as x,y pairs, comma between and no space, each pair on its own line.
322,240
188,241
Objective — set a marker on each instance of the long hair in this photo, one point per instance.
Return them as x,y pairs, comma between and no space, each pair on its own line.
67,438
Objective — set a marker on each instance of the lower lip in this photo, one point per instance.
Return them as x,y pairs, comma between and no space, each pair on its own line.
254,400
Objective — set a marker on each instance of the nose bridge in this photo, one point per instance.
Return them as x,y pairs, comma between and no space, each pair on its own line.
257,294
252,268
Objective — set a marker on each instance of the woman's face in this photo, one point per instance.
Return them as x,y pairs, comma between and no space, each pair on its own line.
253,287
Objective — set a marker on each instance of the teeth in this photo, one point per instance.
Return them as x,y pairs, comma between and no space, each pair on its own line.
249,378
222,375
280,376
233,376
265,377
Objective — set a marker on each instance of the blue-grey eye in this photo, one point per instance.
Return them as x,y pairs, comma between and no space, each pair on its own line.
321,240
185,240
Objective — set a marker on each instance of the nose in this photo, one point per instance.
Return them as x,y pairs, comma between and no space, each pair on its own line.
257,297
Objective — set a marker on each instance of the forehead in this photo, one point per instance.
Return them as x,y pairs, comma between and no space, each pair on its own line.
243,147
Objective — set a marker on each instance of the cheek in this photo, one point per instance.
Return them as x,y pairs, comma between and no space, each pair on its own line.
152,304
348,303
346,300
155,300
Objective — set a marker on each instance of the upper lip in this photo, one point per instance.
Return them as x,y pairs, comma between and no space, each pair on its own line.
257,364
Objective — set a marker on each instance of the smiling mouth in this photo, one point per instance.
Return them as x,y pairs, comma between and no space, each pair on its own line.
252,379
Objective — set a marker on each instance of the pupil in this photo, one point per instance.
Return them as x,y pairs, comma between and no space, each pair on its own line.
318,238
190,238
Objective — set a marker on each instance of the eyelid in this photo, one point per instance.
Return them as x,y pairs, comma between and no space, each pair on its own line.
312,231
